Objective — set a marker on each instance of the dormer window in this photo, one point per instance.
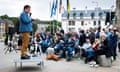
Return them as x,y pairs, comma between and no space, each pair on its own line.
81,15
74,15
92,15
100,15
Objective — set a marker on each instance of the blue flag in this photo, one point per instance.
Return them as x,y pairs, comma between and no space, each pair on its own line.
56,5
54,8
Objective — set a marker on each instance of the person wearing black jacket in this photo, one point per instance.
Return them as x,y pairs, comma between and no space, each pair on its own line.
104,49
62,31
92,36
114,41
82,38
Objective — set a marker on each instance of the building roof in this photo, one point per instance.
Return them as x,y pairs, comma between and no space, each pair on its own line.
1,20
8,21
86,13
37,21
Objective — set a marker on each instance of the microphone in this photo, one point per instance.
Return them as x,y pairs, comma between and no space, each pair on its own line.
30,14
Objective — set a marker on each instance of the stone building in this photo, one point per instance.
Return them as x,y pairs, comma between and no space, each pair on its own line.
82,19
4,26
42,25
118,14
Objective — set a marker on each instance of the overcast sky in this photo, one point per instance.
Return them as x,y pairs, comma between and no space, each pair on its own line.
41,8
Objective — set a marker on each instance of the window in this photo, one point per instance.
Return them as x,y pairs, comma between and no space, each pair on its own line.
71,23
74,15
79,29
118,4
94,23
0,30
100,15
42,28
92,15
99,23
0,24
82,23
72,29
81,15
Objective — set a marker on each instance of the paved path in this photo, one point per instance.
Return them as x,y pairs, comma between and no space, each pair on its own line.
7,65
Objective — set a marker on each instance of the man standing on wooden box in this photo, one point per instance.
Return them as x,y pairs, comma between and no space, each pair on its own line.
25,28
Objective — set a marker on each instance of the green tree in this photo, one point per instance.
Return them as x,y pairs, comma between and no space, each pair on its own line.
35,27
4,17
53,26
15,20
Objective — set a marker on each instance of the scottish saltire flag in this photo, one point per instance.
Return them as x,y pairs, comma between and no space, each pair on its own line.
68,8
60,6
54,8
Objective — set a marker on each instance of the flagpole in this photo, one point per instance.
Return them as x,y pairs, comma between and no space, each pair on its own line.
50,20
57,17
60,10
53,24
54,20
68,12
50,14
53,12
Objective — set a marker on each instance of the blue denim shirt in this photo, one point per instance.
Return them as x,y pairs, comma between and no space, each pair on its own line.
25,23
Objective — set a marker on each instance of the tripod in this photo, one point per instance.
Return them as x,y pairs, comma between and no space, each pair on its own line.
10,47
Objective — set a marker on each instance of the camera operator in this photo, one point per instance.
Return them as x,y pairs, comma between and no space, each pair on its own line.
11,32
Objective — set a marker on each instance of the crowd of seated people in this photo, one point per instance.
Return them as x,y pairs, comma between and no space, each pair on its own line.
87,44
